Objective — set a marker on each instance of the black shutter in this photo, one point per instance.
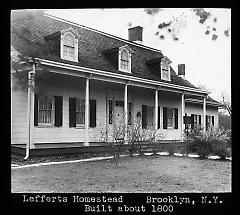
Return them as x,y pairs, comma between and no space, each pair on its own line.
213,120
206,122
72,112
58,110
176,118
35,110
192,121
92,113
199,118
144,116
184,119
158,117
164,117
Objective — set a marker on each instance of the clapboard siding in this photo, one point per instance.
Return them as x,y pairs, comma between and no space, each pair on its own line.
18,114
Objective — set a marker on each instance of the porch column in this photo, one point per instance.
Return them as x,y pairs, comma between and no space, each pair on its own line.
156,109
204,113
86,112
125,112
183,113
30,115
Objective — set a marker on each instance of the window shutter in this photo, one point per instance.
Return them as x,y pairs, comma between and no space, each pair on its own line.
164,117
176,118
199,118
144,116
72,112
184,119
158,117
35,110
206,122
192,121
58,110
92,113
213,120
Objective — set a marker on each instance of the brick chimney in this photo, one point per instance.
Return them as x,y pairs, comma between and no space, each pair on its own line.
135,34
181,70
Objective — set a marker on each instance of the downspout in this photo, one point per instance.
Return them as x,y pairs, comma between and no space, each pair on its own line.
30,90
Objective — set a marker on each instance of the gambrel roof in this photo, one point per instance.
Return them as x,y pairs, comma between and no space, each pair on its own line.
32,33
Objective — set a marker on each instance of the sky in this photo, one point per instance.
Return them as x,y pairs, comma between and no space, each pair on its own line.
207,62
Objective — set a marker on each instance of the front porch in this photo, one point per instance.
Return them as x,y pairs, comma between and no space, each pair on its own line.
72,128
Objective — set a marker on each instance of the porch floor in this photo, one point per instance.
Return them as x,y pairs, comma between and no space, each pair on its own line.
46,149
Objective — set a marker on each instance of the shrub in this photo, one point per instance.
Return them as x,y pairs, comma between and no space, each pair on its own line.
141,138
221,149
214,141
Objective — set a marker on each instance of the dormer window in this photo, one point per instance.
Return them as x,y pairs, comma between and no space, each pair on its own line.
69,45
124,59
165,69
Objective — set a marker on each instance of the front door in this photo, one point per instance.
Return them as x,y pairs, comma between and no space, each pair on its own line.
119,117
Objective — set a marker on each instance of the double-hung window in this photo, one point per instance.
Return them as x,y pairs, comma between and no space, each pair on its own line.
45,110
69,45
165,70
124,60
170,118
80,111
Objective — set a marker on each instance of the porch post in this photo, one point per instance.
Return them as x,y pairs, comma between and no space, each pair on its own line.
86,112
125,112
30,115
183,113
204,113
156,109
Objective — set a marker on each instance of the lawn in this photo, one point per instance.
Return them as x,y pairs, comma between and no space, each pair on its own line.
134,174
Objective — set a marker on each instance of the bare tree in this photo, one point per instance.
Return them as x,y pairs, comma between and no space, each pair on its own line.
226,103
173,26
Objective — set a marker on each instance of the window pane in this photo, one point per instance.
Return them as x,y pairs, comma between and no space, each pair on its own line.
170,117
124,55
68,51
124,65
165,74
68,40
80,111
124,61
45,109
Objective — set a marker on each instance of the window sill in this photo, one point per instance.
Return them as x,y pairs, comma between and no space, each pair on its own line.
80,126
172,128
45,126
166,79
126,71
70,59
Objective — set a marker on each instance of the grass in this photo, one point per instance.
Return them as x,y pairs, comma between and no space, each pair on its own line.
134,174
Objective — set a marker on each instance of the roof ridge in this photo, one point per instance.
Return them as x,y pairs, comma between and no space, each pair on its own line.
101,32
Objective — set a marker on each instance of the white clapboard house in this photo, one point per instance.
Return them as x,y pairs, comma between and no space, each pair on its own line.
70,82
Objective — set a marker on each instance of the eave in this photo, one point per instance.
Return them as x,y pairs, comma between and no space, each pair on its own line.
198,101
125,78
